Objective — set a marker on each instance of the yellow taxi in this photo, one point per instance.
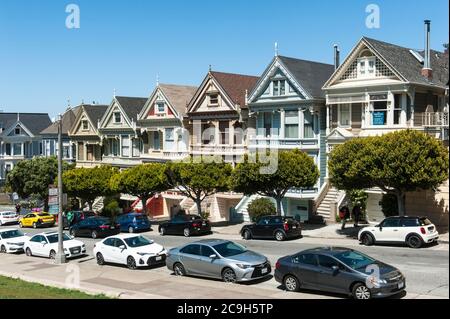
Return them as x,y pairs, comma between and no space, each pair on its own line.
36,220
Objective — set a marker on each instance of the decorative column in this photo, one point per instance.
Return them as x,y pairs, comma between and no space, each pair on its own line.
328,119
301,123
231,132
282,123
216,133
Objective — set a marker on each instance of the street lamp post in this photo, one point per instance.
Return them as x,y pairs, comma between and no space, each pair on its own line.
60,256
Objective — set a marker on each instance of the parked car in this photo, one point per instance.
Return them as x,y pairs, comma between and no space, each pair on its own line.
12,240
276,227
133,222
131,250
339,270
186,225
36,220
77,217
414,231
220,259
46,245
8,217
95,227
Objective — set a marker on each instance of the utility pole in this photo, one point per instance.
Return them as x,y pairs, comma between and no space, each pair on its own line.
60,256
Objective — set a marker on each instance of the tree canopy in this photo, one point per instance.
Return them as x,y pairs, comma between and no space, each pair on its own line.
143,181
397,162
295,170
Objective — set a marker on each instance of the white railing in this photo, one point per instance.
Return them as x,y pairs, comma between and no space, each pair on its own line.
222,149
435,119
276,142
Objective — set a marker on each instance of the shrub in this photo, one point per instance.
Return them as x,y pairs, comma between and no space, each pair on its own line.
261,207
389,205
111,209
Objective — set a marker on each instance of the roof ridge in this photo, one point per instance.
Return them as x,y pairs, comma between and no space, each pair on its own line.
240,74
309,61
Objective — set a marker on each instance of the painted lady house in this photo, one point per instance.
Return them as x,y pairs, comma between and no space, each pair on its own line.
287,111
382,87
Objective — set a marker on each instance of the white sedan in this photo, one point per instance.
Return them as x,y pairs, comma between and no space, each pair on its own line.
12,240
46,245
8,218
131,250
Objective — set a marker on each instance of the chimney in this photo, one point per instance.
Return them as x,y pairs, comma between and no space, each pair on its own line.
337,54
427,71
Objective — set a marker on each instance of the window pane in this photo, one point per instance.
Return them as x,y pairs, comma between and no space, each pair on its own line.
169,134
291,130
161,108
282,87
276,87
125,146
344,115
379,114
308,125
327,262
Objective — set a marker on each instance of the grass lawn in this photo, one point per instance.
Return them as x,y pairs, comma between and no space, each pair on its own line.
19,289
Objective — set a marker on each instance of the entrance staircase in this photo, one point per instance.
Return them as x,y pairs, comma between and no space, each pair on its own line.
325,207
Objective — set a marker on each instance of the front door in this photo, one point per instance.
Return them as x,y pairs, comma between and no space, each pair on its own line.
305,267
191,259
210,267
389,230
330,280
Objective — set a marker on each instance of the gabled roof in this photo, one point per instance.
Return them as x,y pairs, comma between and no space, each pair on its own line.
407,65
235,85
33,122
310,75
132,106
94,112
68,118
178,96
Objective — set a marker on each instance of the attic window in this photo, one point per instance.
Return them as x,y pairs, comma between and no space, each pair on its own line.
160,108
84,125
117,117
214,99
17,131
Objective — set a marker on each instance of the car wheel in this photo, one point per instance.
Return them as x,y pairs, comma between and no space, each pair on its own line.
100,259
52,255
162,231
360,291
1,223
414,241
20,225
130,230
94,234
3,249
72,232
131,263
367,239
291,283
247,235
34,225
228,275
179,270
186,232
279,235
28,252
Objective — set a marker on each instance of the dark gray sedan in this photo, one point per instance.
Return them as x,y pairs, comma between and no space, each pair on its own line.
221,259
339,270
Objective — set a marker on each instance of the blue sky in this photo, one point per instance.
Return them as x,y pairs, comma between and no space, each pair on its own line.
125,44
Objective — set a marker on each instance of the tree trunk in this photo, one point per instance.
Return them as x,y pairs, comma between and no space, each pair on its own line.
401,203
198,202
144,200
278,206
46,207
90,204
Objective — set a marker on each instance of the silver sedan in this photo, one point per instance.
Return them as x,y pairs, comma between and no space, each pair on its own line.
219,259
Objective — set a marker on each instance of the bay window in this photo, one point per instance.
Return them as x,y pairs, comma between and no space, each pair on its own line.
308,129
17,149
344,115
291,124
137,145
125,146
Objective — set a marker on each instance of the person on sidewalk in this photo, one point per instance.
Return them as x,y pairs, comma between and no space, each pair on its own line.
344,214
356,212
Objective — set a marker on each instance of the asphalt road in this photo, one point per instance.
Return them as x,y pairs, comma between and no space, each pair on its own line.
425,269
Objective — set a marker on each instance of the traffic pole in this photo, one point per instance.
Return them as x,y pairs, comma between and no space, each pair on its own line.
60,255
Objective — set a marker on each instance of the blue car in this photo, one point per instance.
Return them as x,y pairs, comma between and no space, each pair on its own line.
133,222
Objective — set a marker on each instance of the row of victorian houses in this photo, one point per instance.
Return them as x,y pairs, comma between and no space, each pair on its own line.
379,88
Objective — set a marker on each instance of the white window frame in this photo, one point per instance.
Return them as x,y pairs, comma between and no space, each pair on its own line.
157,105
277,92
82,125
17,129
210,103
349,115
115,118
367,68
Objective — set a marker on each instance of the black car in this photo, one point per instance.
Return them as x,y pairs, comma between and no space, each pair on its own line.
277,227
95,227
186,225
77,217
339,270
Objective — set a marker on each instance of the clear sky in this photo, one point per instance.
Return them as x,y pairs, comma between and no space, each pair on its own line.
125,44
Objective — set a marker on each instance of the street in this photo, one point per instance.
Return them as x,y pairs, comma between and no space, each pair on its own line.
426,270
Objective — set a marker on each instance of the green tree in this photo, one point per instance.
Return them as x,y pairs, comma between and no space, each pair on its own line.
89,183
389,205
199,179
261,207
397,162
143,181
295,169
34,176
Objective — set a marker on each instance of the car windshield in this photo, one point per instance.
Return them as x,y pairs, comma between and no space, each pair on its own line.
229,249
355,260
54,238
138,241
8,214
140,217
11,234
424,222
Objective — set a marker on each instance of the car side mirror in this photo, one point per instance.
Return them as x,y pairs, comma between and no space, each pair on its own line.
335,270
43,242
213,256
122,247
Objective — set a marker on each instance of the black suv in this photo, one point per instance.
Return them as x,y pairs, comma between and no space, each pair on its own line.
277,227
186,225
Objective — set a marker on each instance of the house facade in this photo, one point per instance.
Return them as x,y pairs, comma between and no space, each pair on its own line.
85,137
381,88
20,138
50,137
287,111
162,123
119,134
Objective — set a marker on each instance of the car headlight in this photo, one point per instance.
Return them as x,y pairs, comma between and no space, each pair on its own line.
243,266
376,282
12,244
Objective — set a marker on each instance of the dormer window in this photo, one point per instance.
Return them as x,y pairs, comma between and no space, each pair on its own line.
366,65
17,131
117,117
279,88
160,108
214,99
84,125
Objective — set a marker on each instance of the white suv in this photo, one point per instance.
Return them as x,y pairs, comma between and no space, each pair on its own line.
414,231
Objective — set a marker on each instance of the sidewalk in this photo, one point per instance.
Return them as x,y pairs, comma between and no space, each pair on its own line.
332,231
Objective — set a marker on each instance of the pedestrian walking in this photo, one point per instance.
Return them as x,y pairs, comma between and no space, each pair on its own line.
344,215
356,212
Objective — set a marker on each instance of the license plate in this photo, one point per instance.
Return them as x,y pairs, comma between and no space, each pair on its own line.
264,271
401,285
76,251
158,258
112,227
204,224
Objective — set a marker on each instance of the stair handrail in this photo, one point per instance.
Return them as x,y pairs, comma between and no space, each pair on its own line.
321,195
